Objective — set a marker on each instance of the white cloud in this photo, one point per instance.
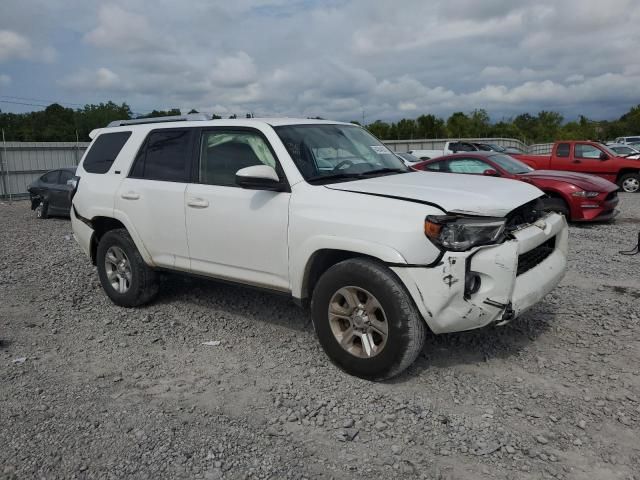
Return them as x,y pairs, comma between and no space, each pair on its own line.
5,80
13,45
336,58
120,29
234,71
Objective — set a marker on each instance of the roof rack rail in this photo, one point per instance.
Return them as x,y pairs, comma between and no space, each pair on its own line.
190,117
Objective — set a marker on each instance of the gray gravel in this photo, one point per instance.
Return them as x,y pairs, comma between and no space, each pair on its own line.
90,390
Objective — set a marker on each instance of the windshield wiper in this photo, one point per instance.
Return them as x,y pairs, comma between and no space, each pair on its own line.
346,175
334,176
385,170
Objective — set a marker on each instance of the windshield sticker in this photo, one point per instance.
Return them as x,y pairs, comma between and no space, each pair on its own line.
379,149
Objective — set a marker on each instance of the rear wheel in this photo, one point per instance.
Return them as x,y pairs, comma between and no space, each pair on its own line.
42,210
630,182
365,319
124,276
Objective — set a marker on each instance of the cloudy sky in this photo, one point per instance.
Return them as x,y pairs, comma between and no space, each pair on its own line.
333,58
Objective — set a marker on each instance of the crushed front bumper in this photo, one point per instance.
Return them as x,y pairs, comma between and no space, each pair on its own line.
513,276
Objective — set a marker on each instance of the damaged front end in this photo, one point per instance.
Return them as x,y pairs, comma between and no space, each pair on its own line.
492,283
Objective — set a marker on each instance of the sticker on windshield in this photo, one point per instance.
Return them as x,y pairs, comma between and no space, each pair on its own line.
379,149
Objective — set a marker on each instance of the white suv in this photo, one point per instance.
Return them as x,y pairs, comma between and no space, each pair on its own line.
321,211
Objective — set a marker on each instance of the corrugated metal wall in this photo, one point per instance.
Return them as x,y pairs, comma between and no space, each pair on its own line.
22,162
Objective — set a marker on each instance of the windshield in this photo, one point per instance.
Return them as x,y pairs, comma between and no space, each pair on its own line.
510,164
325,152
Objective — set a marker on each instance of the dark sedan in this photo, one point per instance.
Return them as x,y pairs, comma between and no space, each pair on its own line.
50,193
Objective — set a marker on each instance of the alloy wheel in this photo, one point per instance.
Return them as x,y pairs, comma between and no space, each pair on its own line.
118,269
631,185
358,322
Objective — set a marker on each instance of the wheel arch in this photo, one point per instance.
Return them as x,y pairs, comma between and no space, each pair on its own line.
625,171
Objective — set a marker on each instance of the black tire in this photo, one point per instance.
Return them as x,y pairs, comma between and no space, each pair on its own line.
42,210
406,327
630,182
557,205
144,281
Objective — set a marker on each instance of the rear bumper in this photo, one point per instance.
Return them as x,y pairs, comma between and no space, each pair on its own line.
82,232
513,276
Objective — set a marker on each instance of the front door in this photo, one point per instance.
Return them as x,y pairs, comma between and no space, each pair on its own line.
234,233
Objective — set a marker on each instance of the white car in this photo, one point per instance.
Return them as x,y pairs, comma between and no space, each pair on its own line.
449,148
626,140
625,150
320,211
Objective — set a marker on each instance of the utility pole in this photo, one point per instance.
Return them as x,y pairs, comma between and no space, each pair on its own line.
6,176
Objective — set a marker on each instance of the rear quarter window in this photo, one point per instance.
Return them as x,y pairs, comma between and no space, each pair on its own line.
103,151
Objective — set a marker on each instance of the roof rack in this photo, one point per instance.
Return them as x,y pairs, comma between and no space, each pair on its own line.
190,117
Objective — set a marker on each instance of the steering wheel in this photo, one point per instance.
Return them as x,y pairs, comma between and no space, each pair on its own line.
339,166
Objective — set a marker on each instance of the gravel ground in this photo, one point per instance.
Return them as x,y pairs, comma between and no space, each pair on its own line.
90,390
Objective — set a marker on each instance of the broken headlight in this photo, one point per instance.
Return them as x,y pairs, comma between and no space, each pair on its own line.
451,232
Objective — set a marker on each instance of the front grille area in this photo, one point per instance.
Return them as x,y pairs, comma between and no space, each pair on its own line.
534,257
525,214
611,196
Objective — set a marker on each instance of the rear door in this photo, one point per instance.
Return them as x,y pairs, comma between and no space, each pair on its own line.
235,233
60,193
152,196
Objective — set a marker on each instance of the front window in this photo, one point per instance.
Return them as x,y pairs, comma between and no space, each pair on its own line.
328,153
511,165
587,151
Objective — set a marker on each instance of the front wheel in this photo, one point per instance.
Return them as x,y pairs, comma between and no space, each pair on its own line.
365,319
124,276
557,205
630,182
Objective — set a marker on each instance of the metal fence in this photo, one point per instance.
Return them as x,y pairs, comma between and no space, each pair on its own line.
438,143
23,162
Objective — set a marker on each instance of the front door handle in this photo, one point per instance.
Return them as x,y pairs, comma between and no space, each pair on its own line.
130,196
198,203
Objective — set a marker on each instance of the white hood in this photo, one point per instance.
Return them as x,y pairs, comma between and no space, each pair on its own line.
456,193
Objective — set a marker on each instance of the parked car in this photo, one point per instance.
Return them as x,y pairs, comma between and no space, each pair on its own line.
577,196
589,157
322,212
407,158
49,194
493,147
627,151
449,147
625,140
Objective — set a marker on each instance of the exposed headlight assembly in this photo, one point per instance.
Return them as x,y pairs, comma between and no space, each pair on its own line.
456,233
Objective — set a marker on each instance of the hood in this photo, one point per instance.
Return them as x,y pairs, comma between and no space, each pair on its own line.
581,180
455,193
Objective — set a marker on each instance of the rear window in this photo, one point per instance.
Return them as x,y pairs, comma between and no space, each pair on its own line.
165,156
51,177
563,150
104,151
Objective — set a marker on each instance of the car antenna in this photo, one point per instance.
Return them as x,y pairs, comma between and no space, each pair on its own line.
633,251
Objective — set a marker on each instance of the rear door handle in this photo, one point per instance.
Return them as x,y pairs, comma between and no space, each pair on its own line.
577,161
130,196
198,203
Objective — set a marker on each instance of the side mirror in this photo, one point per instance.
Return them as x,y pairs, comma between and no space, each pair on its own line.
259,177
604,156
490,172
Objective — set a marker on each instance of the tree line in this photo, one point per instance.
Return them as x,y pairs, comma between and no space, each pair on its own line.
57,124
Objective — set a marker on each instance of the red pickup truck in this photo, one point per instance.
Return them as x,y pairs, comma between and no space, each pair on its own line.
588,157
